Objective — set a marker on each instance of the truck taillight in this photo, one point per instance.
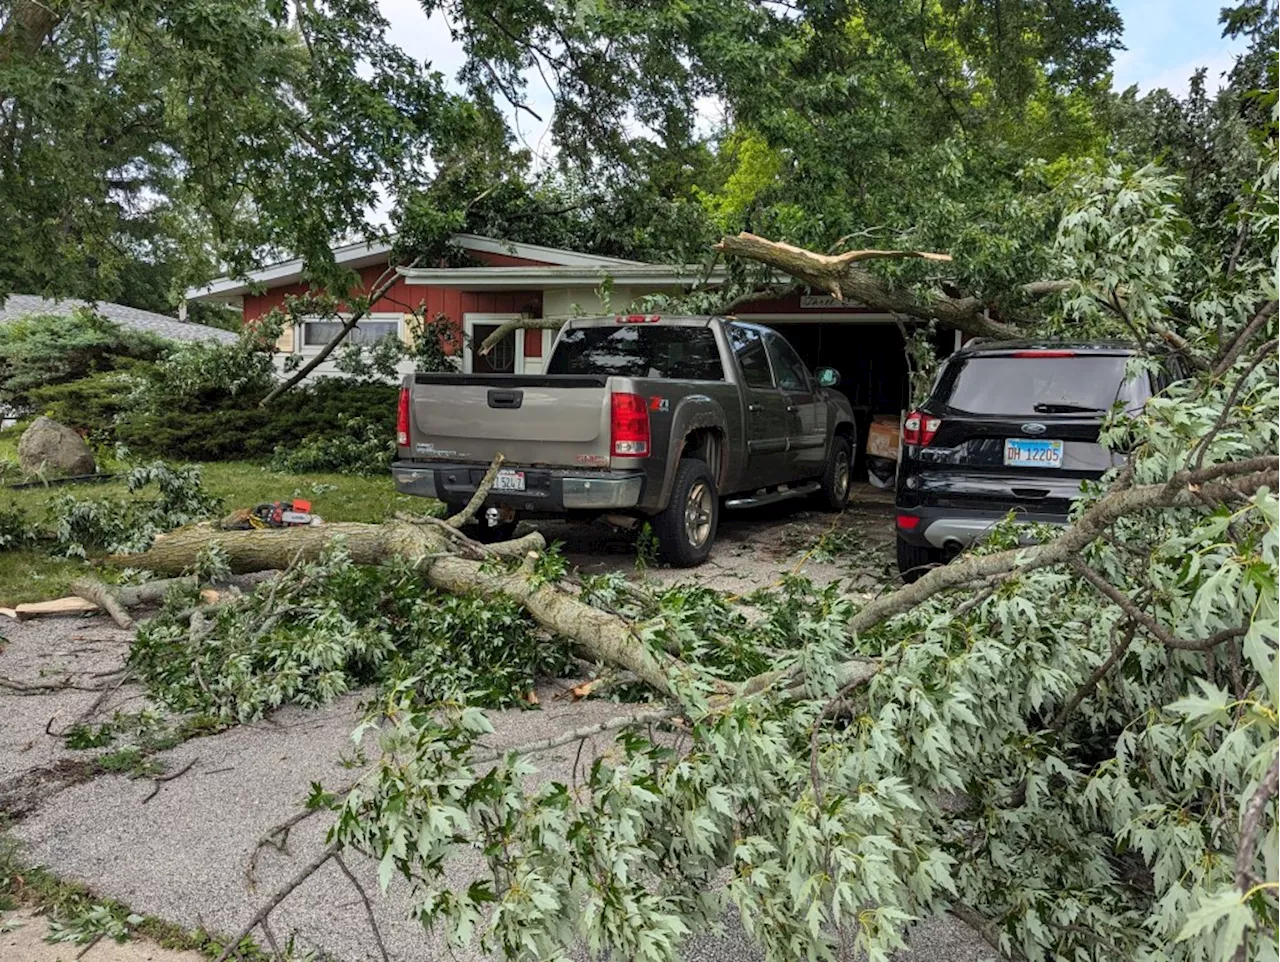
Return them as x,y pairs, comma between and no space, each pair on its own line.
629,426
402,419
919,428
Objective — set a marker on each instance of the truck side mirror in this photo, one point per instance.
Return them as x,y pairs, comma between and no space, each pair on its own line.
828,376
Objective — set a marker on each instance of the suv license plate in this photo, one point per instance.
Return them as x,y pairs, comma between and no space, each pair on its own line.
509,481
1019,452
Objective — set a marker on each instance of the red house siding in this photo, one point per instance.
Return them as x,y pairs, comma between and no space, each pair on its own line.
449,301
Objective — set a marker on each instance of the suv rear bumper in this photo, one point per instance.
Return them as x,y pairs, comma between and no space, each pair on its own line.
946,527
546,490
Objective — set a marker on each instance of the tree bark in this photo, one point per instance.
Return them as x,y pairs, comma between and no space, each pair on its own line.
841,277
28,26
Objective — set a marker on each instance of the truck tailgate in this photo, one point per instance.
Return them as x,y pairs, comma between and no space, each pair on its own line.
558,421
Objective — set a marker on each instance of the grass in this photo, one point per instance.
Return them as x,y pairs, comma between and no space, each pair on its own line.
38,575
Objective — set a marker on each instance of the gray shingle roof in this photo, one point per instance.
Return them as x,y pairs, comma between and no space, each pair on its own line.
20,305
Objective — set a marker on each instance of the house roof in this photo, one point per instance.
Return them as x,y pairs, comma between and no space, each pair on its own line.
369,253
20,305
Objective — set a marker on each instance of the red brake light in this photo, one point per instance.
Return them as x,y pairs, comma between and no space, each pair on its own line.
629,426
1045,353
637,318
908,522
919,428
402,419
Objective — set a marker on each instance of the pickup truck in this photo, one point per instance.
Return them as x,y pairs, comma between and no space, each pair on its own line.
638,416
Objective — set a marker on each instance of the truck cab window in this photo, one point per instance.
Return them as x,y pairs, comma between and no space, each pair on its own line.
748,345
792,374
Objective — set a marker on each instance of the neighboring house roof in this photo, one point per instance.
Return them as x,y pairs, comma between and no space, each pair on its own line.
20,305
366,254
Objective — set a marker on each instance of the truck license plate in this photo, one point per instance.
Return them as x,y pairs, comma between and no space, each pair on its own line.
509,481
1019,452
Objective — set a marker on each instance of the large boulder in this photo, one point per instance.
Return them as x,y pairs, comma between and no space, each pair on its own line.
50,448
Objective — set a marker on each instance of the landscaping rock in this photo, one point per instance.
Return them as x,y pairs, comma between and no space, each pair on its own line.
50,448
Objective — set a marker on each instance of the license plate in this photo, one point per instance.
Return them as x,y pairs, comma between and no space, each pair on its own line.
509,481
1019,452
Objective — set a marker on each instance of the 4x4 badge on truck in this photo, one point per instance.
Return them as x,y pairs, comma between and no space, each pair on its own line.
1033,427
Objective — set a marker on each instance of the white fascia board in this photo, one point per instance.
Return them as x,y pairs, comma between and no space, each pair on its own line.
507,278
536,252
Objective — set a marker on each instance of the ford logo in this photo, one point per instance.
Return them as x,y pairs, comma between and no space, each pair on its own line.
1033,427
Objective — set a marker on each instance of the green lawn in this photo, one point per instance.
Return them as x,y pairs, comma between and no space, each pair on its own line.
35,575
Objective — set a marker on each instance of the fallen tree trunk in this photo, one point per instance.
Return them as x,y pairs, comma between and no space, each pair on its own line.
600,635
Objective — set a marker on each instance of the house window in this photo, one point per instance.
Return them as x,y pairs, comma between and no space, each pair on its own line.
316,334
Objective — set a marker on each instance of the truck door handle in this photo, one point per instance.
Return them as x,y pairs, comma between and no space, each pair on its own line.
755,407
505,399
792,409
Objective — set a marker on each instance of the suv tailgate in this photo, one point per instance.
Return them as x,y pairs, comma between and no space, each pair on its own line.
538,420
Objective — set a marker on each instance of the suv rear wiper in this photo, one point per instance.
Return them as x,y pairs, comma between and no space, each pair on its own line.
1042,408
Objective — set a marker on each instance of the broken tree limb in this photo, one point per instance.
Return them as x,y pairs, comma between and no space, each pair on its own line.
1228,481
102,596
521,324
601,635
381,286
841,276
477,499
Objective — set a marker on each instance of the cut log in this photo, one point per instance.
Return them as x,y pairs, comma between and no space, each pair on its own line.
61,606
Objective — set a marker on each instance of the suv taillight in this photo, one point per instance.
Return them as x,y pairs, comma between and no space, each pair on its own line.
919,428
629,426
402,419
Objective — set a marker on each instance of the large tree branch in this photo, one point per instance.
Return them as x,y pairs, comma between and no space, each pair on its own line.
1180,491
841,277
27,27
521,324
384,284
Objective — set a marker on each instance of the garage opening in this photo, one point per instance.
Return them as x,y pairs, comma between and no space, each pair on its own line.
872,362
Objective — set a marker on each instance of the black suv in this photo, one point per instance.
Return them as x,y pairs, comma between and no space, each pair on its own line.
1008,425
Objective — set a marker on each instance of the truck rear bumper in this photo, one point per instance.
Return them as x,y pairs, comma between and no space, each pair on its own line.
545,490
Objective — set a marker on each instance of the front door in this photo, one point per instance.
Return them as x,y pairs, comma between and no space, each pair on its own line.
766,411
806,413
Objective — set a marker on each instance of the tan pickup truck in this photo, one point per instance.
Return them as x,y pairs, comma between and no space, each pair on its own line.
665,419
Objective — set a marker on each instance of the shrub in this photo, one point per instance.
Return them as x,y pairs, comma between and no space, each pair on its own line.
92,404
361,447
46,349
237,428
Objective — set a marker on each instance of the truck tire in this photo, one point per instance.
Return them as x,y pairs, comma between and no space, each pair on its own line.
837,476
686,527
915,560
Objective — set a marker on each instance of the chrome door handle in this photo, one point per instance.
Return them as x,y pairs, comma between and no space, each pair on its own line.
792,409
755,407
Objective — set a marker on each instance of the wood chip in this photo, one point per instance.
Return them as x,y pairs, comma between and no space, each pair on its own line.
209,595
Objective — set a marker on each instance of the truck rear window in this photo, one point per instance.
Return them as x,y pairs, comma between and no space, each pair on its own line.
639,350
1033,385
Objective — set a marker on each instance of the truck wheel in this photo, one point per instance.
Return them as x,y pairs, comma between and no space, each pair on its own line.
686,528
915,560
837,477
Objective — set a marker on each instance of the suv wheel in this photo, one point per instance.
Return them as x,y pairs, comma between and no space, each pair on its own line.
916,560
837,476
686,528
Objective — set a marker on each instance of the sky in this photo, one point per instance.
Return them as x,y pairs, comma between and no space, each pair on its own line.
1165,41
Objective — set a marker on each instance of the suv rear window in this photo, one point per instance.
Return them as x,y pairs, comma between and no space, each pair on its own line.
1000,384
639,350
